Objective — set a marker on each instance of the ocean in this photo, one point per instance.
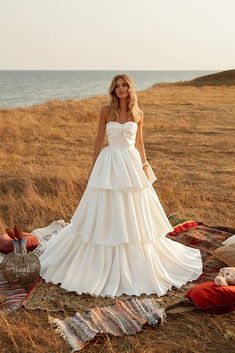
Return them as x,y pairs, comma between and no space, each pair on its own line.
20,88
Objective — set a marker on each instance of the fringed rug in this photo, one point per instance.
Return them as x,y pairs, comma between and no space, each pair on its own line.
53,298
121,318
12,295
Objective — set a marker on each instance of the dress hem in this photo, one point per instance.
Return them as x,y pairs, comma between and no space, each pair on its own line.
193,277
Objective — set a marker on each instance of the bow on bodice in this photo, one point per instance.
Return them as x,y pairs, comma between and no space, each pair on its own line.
121,135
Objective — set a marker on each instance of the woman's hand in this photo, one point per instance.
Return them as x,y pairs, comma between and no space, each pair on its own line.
145,168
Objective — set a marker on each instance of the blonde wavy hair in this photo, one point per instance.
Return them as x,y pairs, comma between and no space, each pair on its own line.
134,111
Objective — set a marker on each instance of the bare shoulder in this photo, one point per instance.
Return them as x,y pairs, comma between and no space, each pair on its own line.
105,109
104,113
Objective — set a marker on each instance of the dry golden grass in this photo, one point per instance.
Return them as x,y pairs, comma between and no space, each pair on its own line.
46,152
191,332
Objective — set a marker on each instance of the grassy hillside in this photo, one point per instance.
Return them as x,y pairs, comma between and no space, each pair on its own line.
46,152
223,78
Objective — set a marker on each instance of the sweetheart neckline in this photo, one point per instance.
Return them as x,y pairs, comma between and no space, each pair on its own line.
121,123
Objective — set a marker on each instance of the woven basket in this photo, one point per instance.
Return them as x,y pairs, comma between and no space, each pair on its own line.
20,265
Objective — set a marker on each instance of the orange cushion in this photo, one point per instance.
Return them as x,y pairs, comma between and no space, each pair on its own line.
6,243
212,298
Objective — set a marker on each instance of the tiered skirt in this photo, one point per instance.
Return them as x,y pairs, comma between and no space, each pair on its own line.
115,243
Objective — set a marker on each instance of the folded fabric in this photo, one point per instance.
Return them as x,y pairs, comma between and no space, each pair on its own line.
226,254
46,232
230,240
212,298
6,242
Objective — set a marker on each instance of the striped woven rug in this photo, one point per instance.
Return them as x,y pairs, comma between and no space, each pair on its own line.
12,295
121,318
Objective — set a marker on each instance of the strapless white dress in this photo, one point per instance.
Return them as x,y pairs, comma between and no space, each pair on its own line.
115,242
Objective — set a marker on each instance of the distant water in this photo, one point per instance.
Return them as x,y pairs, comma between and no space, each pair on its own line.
26,87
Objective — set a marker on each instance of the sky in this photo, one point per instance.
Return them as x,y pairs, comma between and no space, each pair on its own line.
117,35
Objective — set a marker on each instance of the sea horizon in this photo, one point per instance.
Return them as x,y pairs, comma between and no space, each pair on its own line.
27,87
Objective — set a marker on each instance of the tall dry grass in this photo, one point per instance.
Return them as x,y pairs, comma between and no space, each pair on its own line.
46,152
44,157
185,332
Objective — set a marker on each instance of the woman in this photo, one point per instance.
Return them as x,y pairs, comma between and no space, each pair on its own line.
115,243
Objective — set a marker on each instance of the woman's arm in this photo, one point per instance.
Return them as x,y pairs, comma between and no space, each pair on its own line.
140,143
99,136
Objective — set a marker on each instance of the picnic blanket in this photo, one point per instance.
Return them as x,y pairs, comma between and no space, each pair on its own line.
120,316
206,238
12,295
78,326
50,297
